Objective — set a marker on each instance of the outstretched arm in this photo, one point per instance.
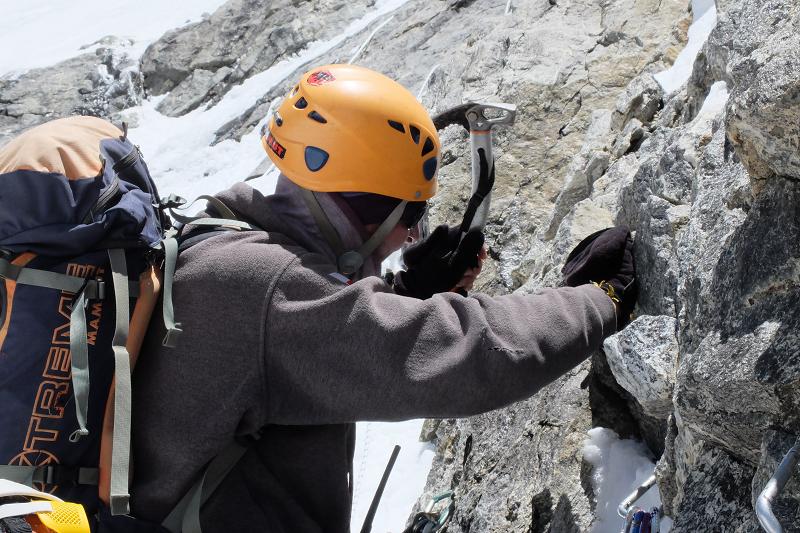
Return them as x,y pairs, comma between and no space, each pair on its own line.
344,353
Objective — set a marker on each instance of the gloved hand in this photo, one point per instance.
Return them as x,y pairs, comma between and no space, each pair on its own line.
438,263
606,258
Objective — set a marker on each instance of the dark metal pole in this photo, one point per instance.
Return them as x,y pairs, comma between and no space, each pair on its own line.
373,508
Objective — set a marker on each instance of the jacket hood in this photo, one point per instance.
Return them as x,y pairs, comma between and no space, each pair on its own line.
286,212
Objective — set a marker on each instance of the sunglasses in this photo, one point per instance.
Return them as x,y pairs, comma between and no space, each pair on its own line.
413,213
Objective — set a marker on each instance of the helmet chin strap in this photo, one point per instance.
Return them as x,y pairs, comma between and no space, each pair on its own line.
350,261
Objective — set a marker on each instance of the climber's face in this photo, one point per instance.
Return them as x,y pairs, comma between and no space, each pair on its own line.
399,236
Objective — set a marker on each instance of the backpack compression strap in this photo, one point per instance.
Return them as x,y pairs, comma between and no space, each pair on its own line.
84,290
120,455
50,474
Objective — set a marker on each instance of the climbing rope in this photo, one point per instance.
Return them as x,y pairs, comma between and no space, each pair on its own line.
641,521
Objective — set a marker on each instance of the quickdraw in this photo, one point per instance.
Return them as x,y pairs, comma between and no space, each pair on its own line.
430,522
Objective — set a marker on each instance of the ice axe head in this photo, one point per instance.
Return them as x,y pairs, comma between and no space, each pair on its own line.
478,120
477,117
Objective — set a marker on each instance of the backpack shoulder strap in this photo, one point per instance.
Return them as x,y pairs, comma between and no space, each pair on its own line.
185,516
170,246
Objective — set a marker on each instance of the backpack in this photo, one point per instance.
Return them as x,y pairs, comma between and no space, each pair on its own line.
87,255
81,246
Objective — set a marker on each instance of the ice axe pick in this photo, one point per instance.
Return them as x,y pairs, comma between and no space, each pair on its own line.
479,120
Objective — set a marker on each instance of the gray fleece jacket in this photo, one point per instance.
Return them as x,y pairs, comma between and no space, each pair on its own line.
274,346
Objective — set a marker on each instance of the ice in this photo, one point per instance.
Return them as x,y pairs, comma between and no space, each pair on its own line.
714,103
620,466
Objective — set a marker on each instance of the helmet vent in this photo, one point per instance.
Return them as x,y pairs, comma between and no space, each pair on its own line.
301,104
396,125
316,116
427,147
414,134
315,158
429,168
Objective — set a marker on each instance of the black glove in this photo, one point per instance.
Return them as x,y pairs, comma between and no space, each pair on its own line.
606,256
438,263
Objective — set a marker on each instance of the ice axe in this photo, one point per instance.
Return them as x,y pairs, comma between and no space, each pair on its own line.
478,120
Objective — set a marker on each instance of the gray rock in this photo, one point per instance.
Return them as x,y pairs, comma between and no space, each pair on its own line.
666,470
429,429
765,113
195,90
584,219
101,83
630,139
755,49
240,39
724,482
607,191
643,358
586,167
519,469
641,100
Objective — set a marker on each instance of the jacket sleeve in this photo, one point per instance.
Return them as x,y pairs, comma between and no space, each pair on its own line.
338,353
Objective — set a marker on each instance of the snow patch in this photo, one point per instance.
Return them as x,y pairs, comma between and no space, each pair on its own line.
705,20
374,443
46,32
620,466
714,103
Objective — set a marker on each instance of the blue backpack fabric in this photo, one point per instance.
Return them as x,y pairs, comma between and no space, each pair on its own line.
84,239
80,221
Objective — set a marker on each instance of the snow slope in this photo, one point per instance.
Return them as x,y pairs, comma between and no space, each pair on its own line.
374,444
45,32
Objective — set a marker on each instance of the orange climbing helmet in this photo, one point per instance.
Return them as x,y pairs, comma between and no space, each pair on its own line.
345,128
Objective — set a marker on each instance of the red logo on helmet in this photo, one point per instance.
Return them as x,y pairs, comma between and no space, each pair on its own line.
275,146
320,77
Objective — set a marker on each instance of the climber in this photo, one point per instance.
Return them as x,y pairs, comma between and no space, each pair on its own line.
290,335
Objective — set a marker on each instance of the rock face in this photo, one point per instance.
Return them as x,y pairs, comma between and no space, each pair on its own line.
708,178
198,64
520,469
642,359
100,84
763,120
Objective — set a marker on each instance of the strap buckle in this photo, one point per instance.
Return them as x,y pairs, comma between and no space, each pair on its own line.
94,289
173,201
61,474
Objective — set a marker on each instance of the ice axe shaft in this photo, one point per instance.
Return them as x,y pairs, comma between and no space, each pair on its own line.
479,119
480,136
